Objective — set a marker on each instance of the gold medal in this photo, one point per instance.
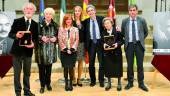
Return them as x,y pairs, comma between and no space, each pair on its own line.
25,42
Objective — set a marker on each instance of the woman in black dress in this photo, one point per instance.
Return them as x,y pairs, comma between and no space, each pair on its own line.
112,53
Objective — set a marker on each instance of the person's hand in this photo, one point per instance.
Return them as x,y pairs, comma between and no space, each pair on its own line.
45,39
72,50
115,45
19,34
53,39
65,49
118,29
69,52
106,46
30,46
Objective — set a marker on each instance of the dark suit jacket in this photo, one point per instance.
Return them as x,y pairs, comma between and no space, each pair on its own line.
142,29
86,29
20,25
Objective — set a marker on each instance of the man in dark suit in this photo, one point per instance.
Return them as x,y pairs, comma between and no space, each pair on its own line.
134,30
22,54
93,32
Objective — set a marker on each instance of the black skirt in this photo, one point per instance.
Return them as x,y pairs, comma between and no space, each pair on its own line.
113,65
68,60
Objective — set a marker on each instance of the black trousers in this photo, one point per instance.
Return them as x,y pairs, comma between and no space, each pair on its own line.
20,62
45,74
138,51
92,50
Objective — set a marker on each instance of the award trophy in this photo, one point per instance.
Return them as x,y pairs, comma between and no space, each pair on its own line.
26,39
109,40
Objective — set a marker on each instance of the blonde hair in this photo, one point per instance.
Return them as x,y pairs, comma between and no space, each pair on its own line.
29,4
49,10
80,10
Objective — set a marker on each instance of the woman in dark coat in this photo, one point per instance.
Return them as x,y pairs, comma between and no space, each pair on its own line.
46,51
112,53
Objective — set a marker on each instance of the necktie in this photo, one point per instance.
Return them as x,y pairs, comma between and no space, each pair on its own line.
133,32
27,24
94,32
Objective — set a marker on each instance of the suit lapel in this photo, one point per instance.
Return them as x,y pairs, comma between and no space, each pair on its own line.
138,24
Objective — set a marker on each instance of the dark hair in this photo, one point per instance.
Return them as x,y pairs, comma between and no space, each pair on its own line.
132,6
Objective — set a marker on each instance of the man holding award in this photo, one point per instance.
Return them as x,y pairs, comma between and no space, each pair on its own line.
24,32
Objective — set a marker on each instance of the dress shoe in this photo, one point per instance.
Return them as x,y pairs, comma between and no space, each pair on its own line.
70,86
143,87
92,84
128,86
18,94
29,94
49,88
42,90
119,87
108,87
101,84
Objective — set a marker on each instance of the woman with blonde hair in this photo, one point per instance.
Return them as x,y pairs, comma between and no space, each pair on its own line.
46,51
68,38
80,50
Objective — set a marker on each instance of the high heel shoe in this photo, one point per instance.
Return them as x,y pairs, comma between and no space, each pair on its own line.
79,83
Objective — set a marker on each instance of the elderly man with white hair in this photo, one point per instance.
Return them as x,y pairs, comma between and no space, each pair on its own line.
22,54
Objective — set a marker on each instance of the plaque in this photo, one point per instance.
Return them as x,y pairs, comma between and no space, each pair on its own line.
26,39
109,40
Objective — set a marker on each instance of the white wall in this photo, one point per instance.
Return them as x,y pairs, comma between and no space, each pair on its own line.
12,5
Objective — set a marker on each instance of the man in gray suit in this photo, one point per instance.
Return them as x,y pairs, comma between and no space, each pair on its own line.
134,30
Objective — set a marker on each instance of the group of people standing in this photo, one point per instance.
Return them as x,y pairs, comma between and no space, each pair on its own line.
74,37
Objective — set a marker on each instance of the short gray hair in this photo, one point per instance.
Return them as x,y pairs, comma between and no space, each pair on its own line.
90,6
29,4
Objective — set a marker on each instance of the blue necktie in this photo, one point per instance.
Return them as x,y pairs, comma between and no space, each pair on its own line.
94,33
133,32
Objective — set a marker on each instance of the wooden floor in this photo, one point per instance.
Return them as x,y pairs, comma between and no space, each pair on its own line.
161,87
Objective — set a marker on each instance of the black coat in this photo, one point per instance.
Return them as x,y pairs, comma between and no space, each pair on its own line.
113,64
20,25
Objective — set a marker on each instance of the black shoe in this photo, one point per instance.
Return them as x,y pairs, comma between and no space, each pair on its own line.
70,86
92,84
108,87
128,86
18,94
101,84
42,90
143,87
49,88
119,87
29,94
66,87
